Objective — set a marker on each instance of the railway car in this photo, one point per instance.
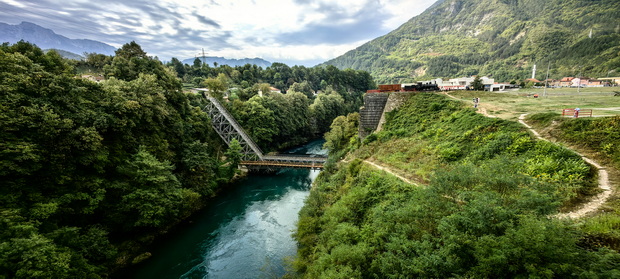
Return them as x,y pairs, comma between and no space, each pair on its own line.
409,87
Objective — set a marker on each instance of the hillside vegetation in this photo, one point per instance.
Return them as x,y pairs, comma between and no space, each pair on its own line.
313,96
498,38
481,207
91,173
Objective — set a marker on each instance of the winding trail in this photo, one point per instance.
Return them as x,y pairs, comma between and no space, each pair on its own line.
595,202
603,182
388,170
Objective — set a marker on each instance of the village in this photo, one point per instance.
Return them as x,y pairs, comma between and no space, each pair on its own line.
464,83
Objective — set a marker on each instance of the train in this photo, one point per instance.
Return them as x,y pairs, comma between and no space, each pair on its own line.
406,87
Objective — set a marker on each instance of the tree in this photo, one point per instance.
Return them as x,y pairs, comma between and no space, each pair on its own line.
216,87
477,84
197,63
341,131
152,196
303,87
131,50
178,66
233,156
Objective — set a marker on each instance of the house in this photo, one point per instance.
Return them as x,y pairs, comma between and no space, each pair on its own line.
566,81
595,83
271,89
551,82
612,80
502,87
95,78
579,82
460,83
532,80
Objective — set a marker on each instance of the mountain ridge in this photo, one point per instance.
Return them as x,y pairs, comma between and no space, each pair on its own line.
229,61
47,39
499,38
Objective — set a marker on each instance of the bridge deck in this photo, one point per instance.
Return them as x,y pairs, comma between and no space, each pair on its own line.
288,162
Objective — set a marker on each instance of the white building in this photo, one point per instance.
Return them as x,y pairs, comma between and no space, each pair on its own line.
461,83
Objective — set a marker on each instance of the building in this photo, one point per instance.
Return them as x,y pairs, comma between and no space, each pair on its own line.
271,89
95,78
532,80
614,81
566,82
595,83
460,83
502,87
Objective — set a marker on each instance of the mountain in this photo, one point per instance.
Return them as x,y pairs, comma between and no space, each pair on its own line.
230,62
47,39
498,38
67,54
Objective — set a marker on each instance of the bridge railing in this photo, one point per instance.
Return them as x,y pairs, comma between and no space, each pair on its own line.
300,159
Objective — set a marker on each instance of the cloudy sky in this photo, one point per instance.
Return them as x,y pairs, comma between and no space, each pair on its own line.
304,32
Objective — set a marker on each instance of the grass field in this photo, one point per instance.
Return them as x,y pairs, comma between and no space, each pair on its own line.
509,105
602,228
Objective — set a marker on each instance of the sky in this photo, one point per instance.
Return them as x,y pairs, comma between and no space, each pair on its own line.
295,32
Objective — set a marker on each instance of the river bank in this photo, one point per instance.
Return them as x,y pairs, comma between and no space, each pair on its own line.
245,229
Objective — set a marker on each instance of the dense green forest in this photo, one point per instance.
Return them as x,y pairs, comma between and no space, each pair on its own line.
314,96
498,38
86,167
91,172
482,205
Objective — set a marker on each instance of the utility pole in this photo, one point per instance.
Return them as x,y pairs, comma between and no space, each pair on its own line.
547,80
579,84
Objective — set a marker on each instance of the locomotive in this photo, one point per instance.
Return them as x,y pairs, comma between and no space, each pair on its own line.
407,87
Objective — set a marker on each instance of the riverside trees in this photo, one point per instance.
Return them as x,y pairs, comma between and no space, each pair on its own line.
307,102
85,166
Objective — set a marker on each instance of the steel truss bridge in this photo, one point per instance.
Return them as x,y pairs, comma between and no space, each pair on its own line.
252,156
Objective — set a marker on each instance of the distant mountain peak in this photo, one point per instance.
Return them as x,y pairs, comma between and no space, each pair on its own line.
209,60
47,39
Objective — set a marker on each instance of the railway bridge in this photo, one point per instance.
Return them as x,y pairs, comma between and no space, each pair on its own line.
252,156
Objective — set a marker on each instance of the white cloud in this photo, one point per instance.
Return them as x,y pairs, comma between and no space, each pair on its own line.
271,29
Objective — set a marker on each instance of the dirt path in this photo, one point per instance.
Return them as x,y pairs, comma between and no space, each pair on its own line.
592,205
481,110
603,182
388,170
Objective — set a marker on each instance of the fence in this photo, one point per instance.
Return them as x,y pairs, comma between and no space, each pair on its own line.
579,113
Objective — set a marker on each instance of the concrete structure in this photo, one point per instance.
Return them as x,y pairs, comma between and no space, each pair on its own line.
371,112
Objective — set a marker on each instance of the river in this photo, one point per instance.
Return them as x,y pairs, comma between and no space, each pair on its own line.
244,232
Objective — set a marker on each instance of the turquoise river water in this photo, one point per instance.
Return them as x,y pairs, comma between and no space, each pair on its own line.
245,232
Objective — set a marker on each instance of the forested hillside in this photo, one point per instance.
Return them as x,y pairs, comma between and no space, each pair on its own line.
91,172
85,167
498,38
481,207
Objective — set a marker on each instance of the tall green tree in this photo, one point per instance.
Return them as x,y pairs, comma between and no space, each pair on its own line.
477,84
